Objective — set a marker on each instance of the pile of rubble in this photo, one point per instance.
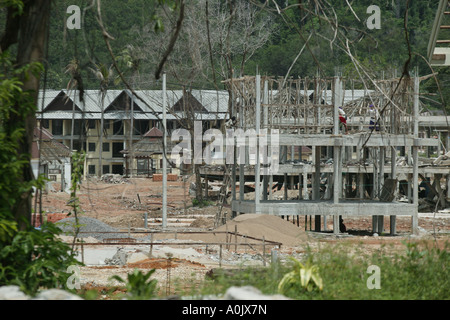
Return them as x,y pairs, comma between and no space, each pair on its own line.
113,179
90,227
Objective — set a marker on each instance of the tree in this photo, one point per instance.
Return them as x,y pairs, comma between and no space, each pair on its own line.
29,259
105,76
217,37
27,27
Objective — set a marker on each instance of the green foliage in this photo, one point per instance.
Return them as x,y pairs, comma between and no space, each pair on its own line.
13,101
74,202
419,272
382,50
35,259
29,258
7,229
124,20
138,285
201,203
15,4
300,277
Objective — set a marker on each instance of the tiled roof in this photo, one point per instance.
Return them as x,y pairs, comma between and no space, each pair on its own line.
47,148
148,102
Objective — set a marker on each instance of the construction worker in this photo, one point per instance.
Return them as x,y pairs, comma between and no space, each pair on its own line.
373,118
343,119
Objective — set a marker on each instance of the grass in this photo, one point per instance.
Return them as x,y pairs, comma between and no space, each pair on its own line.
419,272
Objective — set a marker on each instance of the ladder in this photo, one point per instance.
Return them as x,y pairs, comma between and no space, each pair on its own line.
438,46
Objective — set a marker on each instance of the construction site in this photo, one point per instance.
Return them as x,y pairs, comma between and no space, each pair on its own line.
312,162
372,181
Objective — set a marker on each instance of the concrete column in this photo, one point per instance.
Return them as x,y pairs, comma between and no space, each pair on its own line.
316,186
392,222
258,131
380,186
360,185
336,187
305,182
415,217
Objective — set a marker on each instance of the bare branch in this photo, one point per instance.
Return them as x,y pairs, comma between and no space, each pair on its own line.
172,41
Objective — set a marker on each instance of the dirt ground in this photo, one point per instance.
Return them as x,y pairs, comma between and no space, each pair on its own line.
123,206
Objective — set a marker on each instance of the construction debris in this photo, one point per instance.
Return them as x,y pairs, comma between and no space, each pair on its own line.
114,179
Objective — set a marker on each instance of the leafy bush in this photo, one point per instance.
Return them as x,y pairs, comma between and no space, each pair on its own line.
138,285
300,277
201,203
35,259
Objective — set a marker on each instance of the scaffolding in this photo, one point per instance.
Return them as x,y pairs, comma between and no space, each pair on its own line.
354,169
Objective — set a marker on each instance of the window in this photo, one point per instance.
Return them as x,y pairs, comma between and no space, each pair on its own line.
106,147
91,146
78,127
77,145
143,166
141,127
91,169
117,147
46,123
118,128
57,127
106,169
105,124
91,124
117,169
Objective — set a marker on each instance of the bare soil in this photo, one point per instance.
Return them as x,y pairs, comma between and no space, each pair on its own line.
123,205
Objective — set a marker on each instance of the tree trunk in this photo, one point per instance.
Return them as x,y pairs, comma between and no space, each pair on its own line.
34,24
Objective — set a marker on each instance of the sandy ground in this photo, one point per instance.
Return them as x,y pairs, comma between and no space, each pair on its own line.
123,205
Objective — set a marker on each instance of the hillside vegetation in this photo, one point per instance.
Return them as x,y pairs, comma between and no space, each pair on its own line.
138,47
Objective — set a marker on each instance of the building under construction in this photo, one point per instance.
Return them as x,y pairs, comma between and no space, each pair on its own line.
367,150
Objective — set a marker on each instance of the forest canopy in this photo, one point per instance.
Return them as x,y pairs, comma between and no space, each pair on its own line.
221,37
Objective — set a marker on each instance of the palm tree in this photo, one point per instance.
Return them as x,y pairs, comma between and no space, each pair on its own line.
131,57
105,76
75,83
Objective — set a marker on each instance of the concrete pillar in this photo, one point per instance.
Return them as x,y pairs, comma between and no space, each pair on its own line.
316,186
336,187
415,216
258,159
392,219
305,182
382,155
67,177
361,194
